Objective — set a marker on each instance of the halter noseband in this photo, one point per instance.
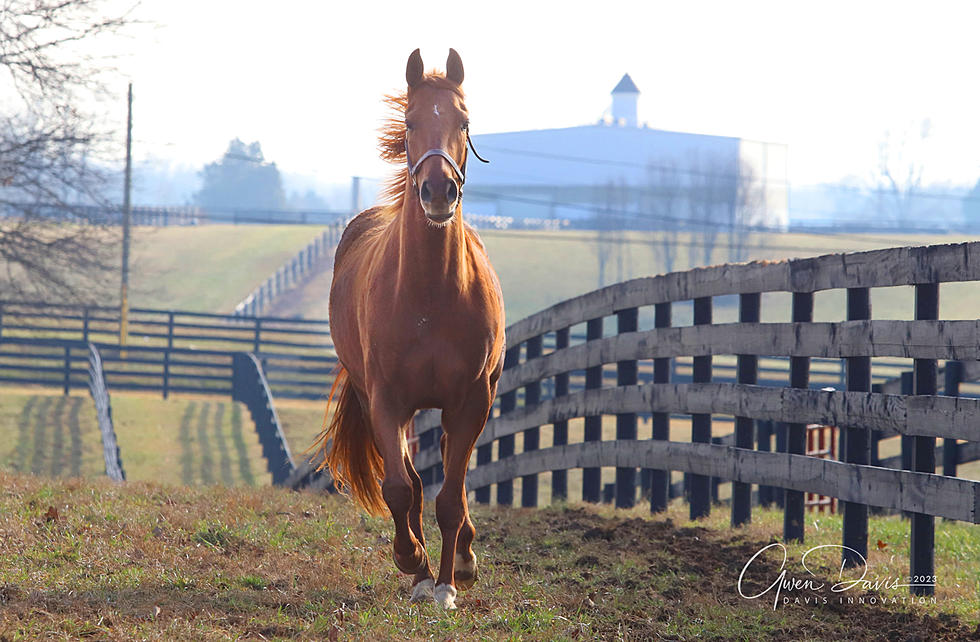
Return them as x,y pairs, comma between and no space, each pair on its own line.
413,169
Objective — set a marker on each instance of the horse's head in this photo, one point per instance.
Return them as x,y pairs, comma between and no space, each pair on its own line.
436,125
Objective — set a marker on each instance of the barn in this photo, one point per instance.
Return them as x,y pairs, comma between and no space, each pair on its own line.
628,174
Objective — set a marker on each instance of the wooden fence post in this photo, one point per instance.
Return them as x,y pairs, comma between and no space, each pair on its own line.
907,441
532,436
764,432
951,388
626,375
923,542
699,488
85,315
67,382
166,355
559,478
592,477
856,439
660,421
799,377
257,341
505,445
747,373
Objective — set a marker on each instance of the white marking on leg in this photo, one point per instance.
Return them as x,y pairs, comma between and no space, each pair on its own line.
462,568
445,596
422,592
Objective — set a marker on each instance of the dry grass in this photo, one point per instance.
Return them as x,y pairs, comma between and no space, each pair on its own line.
149,561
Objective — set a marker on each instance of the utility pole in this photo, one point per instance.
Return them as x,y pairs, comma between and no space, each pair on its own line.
355,195
126,213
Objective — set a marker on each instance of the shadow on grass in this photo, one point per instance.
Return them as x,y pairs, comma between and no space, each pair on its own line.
186,449
75,432
244,465
204,446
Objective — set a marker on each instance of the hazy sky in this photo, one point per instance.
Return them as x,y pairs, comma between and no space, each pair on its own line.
305,78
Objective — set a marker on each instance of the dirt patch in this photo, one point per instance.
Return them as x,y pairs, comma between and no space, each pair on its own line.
688,576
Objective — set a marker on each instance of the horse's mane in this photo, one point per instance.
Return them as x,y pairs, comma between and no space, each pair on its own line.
391,140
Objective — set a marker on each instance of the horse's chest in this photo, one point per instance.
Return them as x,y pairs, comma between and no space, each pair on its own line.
440,347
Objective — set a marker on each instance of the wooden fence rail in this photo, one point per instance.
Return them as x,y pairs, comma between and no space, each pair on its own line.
534,391
168,350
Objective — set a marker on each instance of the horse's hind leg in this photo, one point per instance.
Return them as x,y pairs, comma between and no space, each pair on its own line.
422,585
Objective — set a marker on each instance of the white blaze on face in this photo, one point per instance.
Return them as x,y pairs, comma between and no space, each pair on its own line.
435,110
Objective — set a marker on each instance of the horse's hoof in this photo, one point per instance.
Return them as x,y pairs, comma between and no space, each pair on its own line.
413,564
445,596
423,591
464,573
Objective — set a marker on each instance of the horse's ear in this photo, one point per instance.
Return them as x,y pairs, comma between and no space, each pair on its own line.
454,67
413,71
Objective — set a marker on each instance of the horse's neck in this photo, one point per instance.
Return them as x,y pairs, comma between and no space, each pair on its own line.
429,257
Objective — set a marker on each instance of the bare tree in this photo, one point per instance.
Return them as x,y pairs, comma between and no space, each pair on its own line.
663,198
606,223
897,182
711,194
746,211
56,238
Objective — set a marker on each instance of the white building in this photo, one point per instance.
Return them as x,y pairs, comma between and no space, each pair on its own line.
628,174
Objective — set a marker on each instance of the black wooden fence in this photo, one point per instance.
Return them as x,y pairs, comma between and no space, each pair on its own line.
919,414
250,386
167,350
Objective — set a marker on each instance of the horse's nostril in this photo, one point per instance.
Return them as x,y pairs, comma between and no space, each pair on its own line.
424,193
451,192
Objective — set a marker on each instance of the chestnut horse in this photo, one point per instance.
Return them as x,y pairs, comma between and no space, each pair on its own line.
417,320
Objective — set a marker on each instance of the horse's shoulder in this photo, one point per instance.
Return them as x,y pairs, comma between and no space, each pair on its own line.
369,219
474,236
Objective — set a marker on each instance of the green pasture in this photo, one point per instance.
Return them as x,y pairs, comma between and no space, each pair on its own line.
538,269
50,435
209,268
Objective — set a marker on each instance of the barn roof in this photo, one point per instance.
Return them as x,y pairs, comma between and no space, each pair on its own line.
626,86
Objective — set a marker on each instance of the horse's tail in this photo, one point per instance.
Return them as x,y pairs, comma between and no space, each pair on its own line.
346,446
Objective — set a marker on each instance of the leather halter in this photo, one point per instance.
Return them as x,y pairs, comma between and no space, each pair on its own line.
413,169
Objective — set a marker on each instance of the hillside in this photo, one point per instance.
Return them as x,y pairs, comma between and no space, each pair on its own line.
538,269
91,559
209,268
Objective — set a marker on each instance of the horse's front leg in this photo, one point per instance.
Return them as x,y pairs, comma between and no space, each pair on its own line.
423,584
398,489
462,427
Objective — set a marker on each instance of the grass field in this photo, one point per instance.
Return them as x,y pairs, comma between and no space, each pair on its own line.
49,434
188,440
538,269
91,559
209,268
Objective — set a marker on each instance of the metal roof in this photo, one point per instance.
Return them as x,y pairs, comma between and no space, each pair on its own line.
626,86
